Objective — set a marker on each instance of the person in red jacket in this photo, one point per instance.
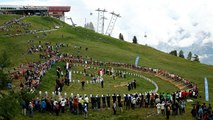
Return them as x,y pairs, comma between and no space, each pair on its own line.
75,105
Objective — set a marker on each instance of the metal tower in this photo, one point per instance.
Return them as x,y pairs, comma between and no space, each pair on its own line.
112,23
100,21
73,24
98,10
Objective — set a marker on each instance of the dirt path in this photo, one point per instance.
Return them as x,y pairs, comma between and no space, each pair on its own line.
121,85
179,85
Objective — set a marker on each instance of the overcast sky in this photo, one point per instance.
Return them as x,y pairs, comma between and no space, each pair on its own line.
179,23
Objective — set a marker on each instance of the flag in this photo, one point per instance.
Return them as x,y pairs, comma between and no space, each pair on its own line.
136,61
70,76
206,89
67,66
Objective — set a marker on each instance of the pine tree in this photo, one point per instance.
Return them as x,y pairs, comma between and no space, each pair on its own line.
181,54
91,26
174,52
189,57
121,37
196,58
135,40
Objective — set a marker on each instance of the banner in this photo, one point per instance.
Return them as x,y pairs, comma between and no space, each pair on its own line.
70,76
67,66
136,61
206,89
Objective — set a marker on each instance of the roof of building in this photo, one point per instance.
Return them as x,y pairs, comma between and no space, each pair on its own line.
24,8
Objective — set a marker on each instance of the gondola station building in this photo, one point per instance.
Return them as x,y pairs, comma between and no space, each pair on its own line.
53,11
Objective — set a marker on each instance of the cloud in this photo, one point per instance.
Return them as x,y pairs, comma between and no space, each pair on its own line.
161,20
206,58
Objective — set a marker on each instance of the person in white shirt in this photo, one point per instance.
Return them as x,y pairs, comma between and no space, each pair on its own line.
114,108
163,107
86,100
157,100
63,102
133,102
55,102
158,108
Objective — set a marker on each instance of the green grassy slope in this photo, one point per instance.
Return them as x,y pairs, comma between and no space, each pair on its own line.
5,18
115,50
103,48
43,22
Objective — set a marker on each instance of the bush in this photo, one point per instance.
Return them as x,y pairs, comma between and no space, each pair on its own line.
9,105
4,80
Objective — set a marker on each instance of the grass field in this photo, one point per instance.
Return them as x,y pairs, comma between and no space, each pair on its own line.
5,18
102,48
111,86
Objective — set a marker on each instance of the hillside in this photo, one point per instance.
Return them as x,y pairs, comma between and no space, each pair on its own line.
101,48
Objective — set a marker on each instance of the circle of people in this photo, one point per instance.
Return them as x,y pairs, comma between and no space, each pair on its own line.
67,78
33,72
